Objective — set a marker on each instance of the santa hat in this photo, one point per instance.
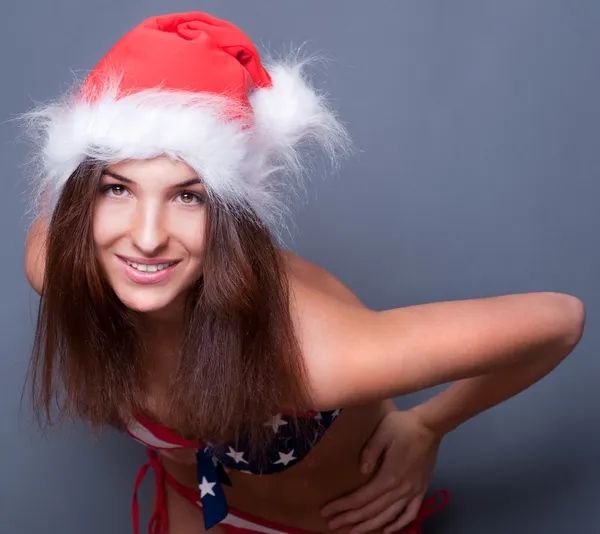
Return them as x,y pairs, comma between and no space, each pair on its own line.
192,87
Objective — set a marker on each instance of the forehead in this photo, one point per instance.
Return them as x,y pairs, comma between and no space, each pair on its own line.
161,170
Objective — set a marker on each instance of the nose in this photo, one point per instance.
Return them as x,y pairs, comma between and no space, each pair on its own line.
148,229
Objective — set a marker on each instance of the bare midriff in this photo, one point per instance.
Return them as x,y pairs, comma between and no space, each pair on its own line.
295,497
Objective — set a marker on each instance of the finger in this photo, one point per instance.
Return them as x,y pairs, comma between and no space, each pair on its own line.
361,514
379,485
407,516
372,451
389,514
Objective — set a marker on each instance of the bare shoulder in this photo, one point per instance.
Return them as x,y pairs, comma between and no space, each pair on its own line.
325,313
310,280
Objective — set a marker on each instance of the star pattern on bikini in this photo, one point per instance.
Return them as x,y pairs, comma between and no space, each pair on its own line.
285,450
286,458
275,422
206,488
238,456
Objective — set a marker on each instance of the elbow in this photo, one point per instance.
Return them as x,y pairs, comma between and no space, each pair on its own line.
578,321
34,277
572,314
34,270
35,255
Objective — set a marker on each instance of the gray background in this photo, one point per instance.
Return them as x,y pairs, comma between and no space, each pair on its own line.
478,125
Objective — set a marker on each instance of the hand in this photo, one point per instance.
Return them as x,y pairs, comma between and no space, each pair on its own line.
407,450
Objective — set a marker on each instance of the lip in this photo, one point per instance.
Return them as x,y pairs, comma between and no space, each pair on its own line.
147,278
146,261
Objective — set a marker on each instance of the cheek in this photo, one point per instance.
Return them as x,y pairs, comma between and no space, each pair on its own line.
193,237
107,226
196,247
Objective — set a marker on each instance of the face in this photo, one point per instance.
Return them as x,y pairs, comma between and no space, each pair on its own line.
149,231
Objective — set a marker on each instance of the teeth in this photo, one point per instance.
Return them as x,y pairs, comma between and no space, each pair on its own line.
148,268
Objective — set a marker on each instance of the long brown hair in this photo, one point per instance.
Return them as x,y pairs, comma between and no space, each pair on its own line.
239,360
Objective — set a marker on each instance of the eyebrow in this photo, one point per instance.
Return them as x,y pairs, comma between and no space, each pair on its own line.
187,183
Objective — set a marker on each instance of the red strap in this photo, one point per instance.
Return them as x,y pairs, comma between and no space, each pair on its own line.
158,520
428,508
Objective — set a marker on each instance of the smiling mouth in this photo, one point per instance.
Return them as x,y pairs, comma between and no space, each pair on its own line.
142,271
149,267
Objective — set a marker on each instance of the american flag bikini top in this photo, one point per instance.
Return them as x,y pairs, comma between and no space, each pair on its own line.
286,450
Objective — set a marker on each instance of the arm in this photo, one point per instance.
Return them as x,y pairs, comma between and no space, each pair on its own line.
494,347
466,398
35,254
405,444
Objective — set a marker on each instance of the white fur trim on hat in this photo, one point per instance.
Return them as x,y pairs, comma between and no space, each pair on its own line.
243,159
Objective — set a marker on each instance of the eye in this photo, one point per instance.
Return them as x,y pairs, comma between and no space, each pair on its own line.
189,198
114,190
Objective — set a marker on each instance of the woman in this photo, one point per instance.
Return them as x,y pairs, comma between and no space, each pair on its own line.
169,310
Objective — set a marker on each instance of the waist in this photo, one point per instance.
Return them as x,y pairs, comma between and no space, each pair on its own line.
294,497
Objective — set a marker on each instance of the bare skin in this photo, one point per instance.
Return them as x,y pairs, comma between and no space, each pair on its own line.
295,496
273,497
487,349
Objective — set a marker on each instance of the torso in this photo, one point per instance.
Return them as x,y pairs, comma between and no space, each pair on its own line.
331,469
295,496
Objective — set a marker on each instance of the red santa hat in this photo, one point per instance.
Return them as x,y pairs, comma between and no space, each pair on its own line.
192,87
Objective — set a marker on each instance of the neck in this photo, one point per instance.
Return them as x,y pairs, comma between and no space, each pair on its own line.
166,321
162,332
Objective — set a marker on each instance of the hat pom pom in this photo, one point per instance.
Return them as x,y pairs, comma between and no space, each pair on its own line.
291,115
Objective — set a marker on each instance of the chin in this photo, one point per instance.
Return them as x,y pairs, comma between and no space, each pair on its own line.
146,303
